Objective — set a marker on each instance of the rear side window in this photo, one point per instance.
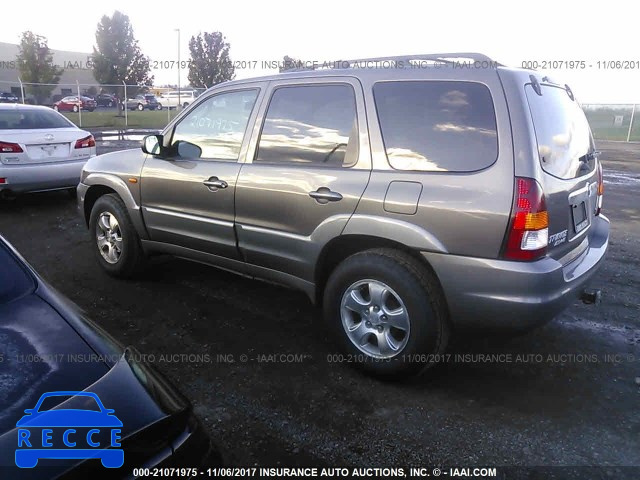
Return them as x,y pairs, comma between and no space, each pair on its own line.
437,125
310,125
564,138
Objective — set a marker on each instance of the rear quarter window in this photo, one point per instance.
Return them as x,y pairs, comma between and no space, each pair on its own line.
562,132
442,126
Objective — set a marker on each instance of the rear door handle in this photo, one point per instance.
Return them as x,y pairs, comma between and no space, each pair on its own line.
323,196
214,183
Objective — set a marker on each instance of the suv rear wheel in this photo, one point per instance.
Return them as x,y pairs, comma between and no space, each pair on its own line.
387,312
117,245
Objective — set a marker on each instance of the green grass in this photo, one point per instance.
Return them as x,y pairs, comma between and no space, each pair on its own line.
116,119
601,121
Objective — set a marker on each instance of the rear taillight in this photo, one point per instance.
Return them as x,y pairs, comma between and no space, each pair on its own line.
528,234
3,181
86,142
600,190
6,147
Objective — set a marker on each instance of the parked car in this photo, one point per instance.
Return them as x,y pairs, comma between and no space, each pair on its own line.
74,103
6,97
106,100
59,361
142,102
406,201
40,150
178,98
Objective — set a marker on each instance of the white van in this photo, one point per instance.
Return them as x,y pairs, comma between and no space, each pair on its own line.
178,98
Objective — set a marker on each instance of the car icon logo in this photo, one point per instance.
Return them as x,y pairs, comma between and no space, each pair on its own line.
48,137
69,433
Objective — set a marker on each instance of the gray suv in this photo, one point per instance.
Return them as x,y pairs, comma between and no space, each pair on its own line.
408,196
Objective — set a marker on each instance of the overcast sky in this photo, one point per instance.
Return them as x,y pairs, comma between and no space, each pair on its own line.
510,32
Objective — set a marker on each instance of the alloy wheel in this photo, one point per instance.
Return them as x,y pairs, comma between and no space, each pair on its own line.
375,318
109,237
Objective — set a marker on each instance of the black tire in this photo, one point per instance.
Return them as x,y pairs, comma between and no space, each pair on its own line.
140,107
131,259
159,106
109,104
76,109
422,295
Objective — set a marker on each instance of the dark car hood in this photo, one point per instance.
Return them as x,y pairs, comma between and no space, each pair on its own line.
46,345
40,352
137,405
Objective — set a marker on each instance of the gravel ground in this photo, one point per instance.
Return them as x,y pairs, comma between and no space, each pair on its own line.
568,397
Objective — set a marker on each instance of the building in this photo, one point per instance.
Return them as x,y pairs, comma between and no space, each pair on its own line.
75,65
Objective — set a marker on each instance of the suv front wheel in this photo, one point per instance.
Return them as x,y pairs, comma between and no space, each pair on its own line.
387,312
116,242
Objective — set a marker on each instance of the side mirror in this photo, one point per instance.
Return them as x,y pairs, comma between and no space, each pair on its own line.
188,150
152,144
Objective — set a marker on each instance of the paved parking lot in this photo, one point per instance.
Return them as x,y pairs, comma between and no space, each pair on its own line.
257,364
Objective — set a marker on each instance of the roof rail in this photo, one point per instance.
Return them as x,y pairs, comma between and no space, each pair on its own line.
447,58
436,57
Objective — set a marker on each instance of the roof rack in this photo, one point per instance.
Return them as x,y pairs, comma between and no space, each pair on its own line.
446,58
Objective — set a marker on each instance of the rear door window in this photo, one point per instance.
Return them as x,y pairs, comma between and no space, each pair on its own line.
437,125
565,144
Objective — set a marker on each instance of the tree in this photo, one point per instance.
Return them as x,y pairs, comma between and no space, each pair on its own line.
35,63
210,63
117,56
290,63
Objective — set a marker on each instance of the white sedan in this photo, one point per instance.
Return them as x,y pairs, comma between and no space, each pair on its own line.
40,150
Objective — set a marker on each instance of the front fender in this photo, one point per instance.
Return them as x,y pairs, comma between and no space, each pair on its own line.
129,193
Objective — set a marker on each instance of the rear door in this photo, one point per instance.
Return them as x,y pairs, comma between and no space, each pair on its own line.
307,169
568,163
188,195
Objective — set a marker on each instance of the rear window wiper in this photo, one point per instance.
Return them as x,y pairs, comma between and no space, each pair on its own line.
593,155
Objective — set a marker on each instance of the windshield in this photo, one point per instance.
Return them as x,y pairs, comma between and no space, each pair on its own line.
32,119
565,144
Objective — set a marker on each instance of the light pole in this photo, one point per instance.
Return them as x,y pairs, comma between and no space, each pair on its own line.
179,101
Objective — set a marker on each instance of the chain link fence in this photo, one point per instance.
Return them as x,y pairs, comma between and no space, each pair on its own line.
96,106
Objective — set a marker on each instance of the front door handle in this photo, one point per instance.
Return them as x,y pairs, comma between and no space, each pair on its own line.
214,183
323,196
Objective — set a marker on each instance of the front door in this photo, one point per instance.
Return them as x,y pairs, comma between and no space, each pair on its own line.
188,195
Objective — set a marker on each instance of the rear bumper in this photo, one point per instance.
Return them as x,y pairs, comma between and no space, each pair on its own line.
41,177
486,294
